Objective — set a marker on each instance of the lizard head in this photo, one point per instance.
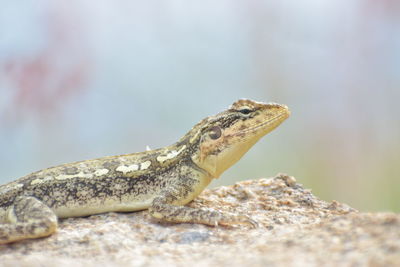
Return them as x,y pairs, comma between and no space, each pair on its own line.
220,141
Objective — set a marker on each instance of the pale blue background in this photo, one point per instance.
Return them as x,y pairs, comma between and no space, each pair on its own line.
85,79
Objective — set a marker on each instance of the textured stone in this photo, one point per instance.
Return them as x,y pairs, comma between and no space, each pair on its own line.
295,228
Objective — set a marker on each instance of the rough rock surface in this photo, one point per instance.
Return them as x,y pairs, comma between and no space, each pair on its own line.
296,228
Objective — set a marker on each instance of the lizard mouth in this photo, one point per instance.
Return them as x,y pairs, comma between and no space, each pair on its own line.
271,123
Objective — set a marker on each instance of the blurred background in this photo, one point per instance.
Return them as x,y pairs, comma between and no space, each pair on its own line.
80,80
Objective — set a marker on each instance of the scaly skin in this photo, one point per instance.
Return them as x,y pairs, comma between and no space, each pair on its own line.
161,180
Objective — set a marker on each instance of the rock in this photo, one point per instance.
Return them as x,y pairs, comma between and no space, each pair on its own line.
295,228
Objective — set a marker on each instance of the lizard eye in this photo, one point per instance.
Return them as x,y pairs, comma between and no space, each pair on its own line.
245,110
215,132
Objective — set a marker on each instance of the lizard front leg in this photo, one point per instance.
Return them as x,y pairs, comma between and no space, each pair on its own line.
165,207
27,218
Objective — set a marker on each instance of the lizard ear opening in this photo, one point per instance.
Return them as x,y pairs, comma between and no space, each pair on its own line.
215,132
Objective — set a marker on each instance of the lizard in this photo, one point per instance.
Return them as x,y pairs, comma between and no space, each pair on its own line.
161,180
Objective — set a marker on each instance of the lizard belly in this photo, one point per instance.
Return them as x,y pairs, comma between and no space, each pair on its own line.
96,207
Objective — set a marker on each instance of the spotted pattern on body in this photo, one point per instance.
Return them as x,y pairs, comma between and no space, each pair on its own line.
161,180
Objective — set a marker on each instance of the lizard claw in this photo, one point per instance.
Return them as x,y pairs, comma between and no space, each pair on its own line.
244,219
237,219
253,223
